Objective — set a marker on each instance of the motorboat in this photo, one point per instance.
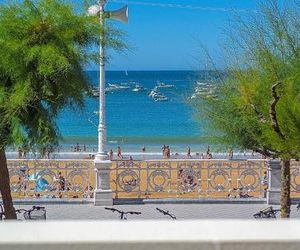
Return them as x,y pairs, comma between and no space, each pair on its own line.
114,86
164,85
95,92
153,93
201,83
138,88
160,98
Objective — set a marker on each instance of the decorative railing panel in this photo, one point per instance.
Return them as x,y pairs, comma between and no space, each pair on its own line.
188,179
295,178
51,178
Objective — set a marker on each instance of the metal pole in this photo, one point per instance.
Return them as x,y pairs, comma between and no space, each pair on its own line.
102,153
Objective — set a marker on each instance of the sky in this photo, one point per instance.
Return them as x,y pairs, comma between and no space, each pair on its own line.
170,38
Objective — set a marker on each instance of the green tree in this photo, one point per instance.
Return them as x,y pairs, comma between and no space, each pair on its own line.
44,47
258,104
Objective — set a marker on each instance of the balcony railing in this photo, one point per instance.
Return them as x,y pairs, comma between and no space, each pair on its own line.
52,178
189,179
146,179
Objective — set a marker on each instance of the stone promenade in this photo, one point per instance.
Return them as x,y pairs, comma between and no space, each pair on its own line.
181,211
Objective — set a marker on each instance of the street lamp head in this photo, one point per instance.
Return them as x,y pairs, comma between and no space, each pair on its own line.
120,14
93,10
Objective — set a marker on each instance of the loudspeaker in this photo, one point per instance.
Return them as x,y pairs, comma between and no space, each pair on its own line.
121,14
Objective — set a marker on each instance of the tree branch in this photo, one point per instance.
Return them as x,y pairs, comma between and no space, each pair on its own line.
264,152
273,113
260,116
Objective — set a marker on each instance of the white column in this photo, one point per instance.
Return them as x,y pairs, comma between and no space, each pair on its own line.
274,182
102,193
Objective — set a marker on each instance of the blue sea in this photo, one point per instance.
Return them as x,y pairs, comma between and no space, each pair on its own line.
134,119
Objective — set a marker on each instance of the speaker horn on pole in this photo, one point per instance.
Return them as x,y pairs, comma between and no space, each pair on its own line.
121,14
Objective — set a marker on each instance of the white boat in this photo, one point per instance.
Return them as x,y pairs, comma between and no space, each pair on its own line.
95,92
116,87
201,83
160,98
164,85
153,93
138,88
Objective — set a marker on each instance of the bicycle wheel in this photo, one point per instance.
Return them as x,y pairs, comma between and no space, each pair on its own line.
257,216
37,214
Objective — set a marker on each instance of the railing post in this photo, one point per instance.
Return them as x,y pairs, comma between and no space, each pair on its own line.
103,192
274,182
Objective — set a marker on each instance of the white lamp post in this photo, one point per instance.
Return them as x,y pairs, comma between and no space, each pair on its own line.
103,193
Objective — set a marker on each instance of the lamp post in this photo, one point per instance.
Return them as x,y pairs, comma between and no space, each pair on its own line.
103,193
102,153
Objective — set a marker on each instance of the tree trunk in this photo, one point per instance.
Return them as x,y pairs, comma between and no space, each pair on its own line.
9,209
285,200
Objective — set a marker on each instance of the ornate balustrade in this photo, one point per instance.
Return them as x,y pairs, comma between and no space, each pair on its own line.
51,178
145,179
188,179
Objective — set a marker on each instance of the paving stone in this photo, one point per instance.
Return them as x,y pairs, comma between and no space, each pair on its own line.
182,211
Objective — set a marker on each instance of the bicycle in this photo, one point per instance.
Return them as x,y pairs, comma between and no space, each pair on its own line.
166,213
123,215
267,213
35,213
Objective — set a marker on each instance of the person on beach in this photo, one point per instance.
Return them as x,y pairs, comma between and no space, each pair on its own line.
168,152
208,153
119,154
208,150
111,155
143,149
164,151
230,154
84,148
25,150
20,153
189,153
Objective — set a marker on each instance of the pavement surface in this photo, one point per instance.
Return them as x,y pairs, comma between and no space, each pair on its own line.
149,212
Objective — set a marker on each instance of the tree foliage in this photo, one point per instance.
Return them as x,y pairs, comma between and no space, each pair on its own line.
265,49
44,47
258,104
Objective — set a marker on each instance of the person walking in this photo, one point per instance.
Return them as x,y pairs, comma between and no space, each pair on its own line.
111,155
168,152
164,151
230,154
189,152
119,154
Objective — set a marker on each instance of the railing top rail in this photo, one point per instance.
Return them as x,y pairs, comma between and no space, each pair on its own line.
191,160
49,160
